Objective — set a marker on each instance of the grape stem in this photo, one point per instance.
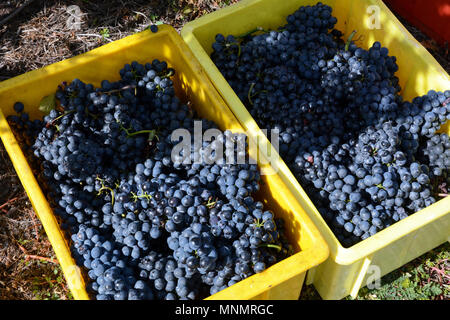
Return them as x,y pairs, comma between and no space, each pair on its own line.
349,40
239,47
258,223
152,133
251,32
170,73
61,116
273,246
105,188
145,196
380,186
211,204
249,96
120,89
141,132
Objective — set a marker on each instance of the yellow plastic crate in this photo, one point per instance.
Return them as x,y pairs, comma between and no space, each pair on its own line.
281,281
346,269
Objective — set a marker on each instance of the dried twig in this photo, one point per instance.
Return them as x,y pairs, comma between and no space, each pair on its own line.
30,213
35,257
15,12
10,201
32,256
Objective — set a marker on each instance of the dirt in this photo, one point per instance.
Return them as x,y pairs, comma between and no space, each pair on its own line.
45,31
28,267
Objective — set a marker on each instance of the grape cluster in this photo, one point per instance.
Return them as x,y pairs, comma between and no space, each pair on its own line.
366,157
144,225
438,152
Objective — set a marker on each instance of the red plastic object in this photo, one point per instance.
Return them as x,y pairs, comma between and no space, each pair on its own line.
430,16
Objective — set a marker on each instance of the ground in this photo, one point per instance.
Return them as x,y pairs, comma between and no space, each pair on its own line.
40,35
425,278
28,267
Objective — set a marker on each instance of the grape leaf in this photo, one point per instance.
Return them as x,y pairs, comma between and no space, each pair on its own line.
47,104
187,10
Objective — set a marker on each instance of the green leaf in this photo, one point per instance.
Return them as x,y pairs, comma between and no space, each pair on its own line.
405,283
436,290
47,104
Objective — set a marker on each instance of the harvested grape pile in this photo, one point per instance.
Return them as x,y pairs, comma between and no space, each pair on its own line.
144,223
366,157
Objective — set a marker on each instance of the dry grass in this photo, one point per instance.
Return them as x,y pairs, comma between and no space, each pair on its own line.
40,35
28,267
